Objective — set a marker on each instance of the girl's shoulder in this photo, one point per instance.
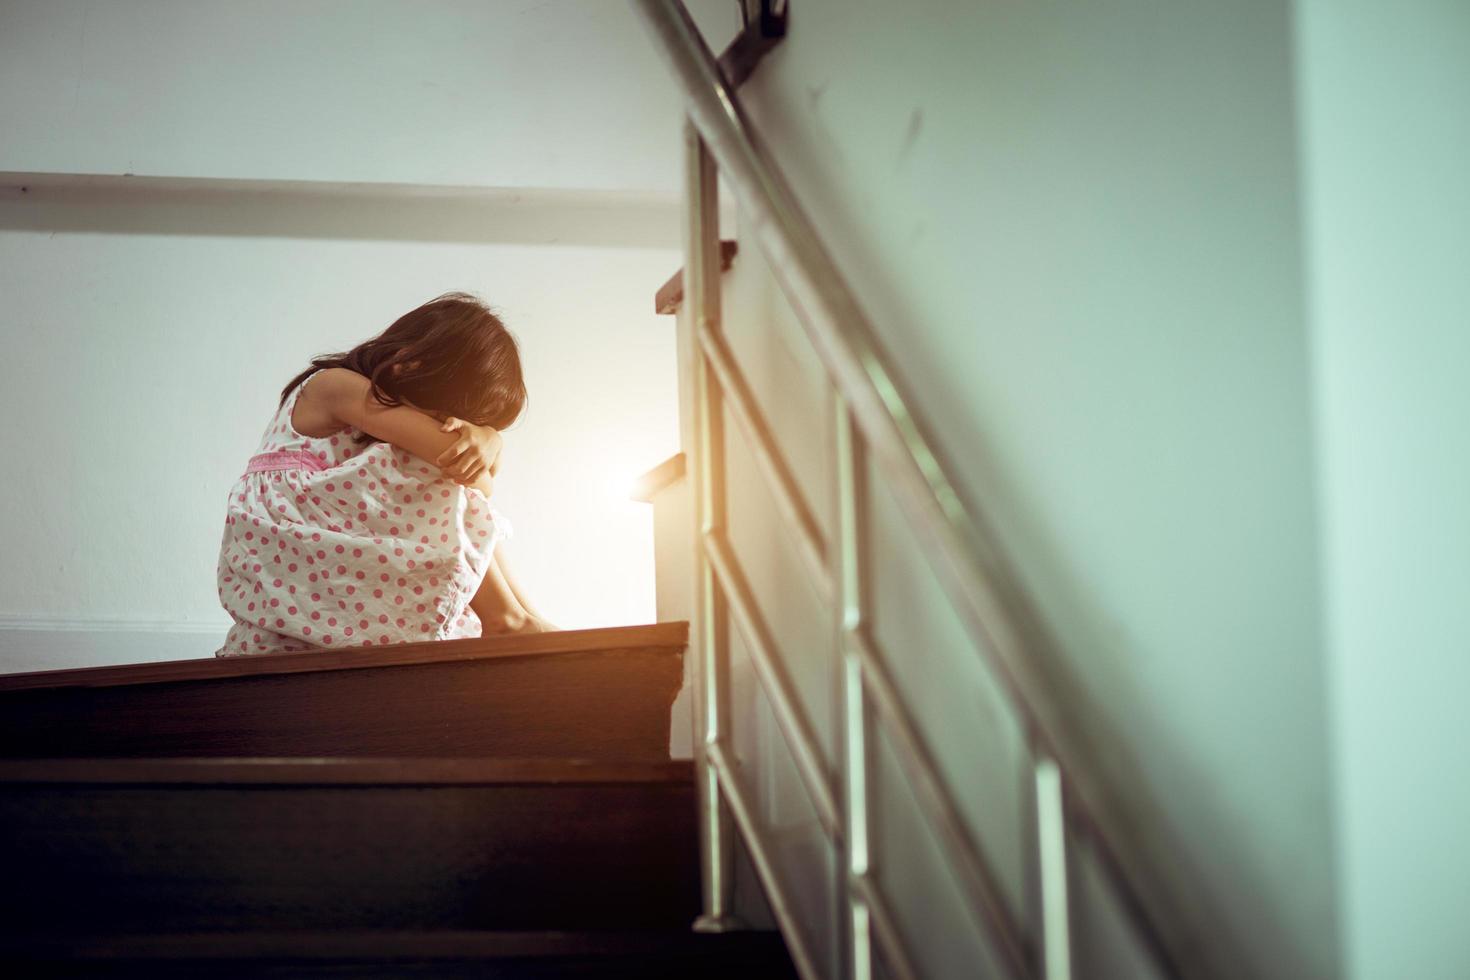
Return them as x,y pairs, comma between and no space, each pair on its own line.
300,410
308,409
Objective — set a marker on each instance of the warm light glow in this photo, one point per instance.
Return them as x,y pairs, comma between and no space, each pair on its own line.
620,481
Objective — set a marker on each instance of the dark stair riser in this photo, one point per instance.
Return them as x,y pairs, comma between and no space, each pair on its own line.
122,858
604,704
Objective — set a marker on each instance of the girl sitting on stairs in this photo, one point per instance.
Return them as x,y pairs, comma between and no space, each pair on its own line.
340,533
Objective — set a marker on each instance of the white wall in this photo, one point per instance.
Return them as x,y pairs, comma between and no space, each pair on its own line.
1386,149
1076,228
305,174
502,93
142,368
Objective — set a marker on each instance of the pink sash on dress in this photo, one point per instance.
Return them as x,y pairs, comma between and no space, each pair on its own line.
284,460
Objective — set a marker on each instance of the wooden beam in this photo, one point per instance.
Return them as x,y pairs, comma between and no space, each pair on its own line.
671,293
649,484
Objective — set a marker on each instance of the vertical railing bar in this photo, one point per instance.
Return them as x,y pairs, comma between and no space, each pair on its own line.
701,286
1051,836
890,946
859,857
848,577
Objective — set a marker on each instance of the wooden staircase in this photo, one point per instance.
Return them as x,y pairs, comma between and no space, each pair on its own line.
501,807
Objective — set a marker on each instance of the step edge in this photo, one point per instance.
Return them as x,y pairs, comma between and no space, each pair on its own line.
672,636
228,771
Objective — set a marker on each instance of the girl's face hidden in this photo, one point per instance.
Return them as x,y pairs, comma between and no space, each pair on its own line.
439,416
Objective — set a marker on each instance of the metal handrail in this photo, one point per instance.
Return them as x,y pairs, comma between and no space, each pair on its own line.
1077,787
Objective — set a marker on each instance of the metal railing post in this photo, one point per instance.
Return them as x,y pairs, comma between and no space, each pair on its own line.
711,689
848,575
1054,870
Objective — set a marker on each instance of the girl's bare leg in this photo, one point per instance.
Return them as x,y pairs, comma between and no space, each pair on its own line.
499,604
542,623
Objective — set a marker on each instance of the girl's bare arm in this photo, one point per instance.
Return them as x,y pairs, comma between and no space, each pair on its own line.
338,397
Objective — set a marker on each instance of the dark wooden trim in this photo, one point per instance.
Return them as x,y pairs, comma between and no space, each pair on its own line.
671,293
738,61
377,945
338,772
671,635
668,472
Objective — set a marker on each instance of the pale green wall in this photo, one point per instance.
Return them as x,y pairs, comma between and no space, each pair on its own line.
1385,95
1076,226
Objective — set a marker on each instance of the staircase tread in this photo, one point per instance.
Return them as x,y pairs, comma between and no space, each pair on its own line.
608,639
384,944
340,771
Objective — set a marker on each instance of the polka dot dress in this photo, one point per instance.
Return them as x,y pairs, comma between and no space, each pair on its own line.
372,548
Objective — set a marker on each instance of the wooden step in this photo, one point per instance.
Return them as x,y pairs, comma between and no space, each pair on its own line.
182,845
603,693
644,954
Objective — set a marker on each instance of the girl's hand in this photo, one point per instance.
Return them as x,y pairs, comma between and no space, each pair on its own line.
476,453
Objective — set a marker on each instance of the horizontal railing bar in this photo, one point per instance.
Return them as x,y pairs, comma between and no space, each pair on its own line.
964,552
986,902
791,716
890,939
789,499
776,889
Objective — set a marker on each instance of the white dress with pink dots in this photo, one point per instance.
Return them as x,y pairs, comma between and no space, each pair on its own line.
330,542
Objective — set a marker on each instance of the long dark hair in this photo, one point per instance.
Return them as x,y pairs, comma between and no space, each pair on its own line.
451,355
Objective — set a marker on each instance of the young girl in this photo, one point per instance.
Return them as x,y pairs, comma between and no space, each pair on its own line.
340,533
